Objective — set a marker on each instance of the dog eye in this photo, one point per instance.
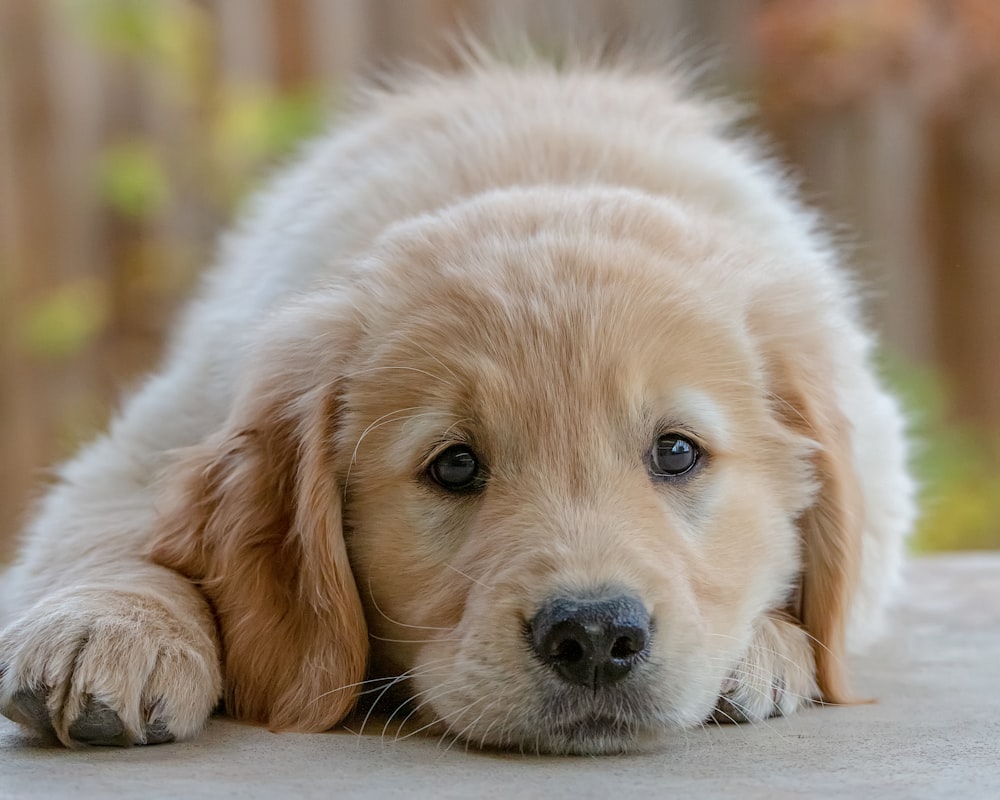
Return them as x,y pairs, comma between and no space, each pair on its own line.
674,455
457,469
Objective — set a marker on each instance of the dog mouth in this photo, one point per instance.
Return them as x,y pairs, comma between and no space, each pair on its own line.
552,713
566,723
578,723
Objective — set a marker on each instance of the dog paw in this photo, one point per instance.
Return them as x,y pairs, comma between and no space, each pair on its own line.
775,678
107,668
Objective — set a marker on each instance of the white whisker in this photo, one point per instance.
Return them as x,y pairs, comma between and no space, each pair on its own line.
466,575
396,622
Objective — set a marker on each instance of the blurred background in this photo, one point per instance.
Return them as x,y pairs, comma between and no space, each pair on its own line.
131,129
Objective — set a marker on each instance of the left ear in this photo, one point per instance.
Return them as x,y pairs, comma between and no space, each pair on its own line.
804,376
831,527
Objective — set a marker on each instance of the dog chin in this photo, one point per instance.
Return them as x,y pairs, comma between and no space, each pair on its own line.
578,723
593,734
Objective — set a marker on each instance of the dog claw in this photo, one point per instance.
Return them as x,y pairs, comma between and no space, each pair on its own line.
100,725
727,712
158,733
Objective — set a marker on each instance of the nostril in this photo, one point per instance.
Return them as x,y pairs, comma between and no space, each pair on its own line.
568,651
627,646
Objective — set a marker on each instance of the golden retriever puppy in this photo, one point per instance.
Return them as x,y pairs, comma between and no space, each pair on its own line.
531,392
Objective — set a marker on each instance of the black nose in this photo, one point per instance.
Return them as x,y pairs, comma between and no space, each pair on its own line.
591,642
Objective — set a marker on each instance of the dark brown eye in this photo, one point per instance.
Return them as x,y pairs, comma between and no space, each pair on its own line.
673,455
457,469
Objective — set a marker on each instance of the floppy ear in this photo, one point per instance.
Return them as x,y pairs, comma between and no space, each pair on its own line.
253,515
831,527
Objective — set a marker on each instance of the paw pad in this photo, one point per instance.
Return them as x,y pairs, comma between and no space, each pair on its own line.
98,724
28,708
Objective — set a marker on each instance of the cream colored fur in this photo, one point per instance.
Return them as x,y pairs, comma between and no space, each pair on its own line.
552,266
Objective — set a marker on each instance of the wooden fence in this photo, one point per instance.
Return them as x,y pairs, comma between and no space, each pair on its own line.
130,128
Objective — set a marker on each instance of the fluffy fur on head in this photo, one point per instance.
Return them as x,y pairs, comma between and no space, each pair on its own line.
424,426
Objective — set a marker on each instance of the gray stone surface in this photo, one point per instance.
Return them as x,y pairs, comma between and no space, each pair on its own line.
934,732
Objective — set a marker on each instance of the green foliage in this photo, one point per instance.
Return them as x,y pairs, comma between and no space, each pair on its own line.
254,125
132,180
66,320
262,124
958,467
221,134
230,131
170,36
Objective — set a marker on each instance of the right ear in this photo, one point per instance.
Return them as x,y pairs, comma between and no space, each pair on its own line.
253,516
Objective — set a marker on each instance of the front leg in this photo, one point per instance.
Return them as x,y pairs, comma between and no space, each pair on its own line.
776,676
133,661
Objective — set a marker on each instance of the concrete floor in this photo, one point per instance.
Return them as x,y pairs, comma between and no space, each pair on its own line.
934,732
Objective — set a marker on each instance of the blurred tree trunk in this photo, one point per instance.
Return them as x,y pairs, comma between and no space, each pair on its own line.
27,252
293,67
963,214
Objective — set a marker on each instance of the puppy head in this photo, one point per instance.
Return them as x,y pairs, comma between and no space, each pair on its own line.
536,424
